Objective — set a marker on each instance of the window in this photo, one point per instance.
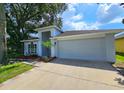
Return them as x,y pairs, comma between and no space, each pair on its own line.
32,49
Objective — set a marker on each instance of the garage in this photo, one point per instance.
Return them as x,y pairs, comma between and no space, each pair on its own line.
85,49
90,45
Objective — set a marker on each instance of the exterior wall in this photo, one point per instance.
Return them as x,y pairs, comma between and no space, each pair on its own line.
54,32
119,45
110,48
39,44
26,48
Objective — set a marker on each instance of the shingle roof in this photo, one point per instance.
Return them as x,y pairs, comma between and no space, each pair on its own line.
78,32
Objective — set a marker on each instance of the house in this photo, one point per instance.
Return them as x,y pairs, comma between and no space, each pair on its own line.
93,45
119,43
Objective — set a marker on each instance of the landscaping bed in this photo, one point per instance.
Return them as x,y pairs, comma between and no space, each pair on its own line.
36,58
119,60
28,57
47,59
12,70
119,64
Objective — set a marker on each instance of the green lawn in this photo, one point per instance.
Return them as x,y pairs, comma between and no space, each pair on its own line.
119,58
119,61
12,70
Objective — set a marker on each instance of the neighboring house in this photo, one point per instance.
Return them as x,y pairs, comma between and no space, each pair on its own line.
119,43
94,45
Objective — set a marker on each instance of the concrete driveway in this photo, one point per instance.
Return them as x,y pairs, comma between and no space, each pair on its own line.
68,74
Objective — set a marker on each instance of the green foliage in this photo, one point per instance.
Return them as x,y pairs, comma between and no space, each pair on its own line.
12,70
23,18
47,44
120,53
119,58
14,54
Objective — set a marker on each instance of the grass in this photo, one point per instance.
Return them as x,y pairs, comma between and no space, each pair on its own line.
119,58
12,70
119,61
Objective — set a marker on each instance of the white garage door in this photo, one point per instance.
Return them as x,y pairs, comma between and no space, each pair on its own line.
86,49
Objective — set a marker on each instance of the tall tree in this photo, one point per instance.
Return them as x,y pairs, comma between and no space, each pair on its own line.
2,36
23,18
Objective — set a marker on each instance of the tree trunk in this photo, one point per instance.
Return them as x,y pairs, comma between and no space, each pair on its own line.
3,47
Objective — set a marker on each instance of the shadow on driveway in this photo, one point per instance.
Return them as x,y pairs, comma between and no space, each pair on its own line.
84,63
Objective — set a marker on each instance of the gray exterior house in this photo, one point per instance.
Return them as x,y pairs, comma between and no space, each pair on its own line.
93,45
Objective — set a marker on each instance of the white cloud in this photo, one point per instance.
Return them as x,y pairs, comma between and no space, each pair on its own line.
71,7
82,25
109,12
117,20
73,20
77,17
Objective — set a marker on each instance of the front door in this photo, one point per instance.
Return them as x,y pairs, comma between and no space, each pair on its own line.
32,49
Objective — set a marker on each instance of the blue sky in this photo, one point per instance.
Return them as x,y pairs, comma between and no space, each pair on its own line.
93,16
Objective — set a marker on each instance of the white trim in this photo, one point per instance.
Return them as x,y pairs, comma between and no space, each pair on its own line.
81,36
48,28
89,34
120,36
29,40
39,44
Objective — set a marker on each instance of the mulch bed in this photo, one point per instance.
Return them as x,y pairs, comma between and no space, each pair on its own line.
35,58
27,57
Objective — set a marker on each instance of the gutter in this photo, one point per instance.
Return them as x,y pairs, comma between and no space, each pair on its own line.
87,34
